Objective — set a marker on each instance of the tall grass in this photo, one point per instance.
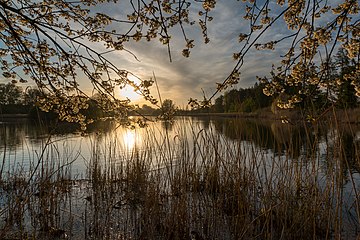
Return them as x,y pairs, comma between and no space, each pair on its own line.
190,182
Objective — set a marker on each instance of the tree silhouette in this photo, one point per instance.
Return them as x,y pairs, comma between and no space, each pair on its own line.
306,67
47,42
346,95
10,94
219,104
168,109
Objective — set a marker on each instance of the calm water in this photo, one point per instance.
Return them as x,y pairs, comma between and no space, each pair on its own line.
22,142
271,147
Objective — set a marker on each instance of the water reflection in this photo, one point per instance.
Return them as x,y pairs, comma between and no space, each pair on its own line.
285,150
167,125
293,141
131,139
11,134
342,152
269,135
303,141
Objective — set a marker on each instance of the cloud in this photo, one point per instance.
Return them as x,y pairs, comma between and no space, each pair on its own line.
188,77
208,63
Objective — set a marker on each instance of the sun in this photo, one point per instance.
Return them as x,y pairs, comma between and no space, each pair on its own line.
128,92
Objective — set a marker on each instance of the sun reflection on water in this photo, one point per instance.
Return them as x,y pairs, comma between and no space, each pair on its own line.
130,139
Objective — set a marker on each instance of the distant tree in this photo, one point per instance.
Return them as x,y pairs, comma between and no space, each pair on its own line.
248,105
346,94
168,106
47,42
168,109
147,110
31,96
10,94
219,104
244,99
261,100
232,101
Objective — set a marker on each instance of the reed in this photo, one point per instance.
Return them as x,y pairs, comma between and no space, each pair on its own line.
191,183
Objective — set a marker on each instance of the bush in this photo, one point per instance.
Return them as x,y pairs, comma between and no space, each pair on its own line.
14,109
248,105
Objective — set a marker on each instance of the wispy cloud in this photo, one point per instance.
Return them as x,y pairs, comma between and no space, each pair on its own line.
208,63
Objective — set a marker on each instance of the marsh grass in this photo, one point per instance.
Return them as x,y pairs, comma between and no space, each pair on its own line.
191,183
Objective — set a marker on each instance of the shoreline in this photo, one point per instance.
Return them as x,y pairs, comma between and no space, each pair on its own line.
343,116
14,115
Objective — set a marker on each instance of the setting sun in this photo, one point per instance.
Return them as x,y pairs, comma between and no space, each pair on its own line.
128,91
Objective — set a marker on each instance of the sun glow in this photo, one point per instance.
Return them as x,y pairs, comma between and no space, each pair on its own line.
130,139
128,91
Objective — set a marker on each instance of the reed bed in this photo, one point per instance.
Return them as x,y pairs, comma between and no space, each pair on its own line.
190,183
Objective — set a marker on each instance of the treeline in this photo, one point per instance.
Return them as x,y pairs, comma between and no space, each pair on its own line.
342,94
165,111
242,100
16,100
236,100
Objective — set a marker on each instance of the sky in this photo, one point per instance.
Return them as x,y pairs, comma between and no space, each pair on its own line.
208,64
185,78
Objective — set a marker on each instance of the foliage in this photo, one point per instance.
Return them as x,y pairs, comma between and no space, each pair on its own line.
14,109
242,100
168,109
306,67
10,94
248,105
147,110
219,104
232,101
340,93
31,96
346,92
47,42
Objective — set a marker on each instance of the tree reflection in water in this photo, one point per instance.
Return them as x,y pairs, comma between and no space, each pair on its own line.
293,140
220,165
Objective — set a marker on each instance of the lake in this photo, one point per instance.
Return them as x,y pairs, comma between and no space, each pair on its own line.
216,178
